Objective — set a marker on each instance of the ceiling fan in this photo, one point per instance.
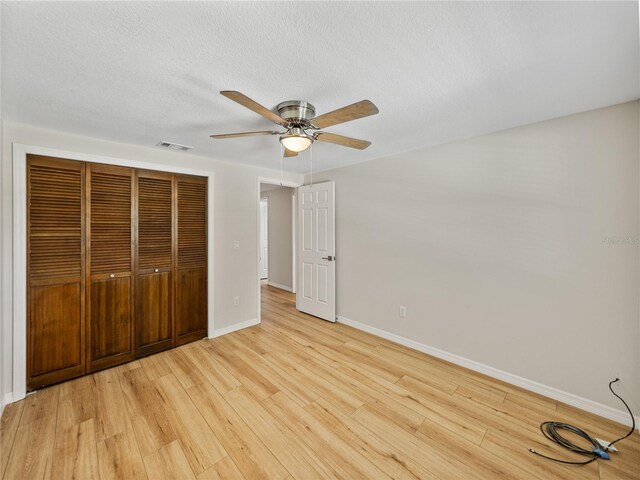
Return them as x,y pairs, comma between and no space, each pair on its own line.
301,125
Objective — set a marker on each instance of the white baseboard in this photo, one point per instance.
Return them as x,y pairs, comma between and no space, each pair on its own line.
232,328
620,416
277,285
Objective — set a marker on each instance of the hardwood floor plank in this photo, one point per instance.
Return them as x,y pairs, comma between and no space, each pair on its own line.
168,463
316,383
214,372
75,453
287,447
543,469
40,404
378,399
76,403
198,442
249,454
183,368
110,409
250,378
442,415
119,457
484,463
148,419
155,366
225,469
32,453
303,396
345,461
386,457
8,428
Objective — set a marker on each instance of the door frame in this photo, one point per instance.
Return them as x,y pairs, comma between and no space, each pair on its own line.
19,153
265,200
294,219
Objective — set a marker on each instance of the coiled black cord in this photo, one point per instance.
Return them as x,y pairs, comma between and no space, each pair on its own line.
551,431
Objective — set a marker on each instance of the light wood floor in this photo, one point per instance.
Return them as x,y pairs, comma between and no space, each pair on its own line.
294,397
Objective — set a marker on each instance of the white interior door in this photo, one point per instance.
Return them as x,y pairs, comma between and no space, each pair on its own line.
316,293
264,239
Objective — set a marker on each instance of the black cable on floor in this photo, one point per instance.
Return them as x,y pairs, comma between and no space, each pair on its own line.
551,430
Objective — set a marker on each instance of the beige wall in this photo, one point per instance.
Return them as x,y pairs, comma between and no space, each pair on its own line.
235,218
518,250
280,236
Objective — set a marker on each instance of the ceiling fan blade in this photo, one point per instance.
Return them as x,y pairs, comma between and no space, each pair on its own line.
290,153
244,134
341,140
245,101
346,114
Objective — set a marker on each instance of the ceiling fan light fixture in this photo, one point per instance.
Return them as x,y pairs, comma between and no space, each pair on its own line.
296,140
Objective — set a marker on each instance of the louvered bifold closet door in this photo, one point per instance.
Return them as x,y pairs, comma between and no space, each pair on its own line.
55,259
110,242
154,292
191,285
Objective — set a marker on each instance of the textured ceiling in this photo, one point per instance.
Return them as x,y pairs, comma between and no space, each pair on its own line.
139,72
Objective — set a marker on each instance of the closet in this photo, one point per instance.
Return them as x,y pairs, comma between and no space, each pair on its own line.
117,265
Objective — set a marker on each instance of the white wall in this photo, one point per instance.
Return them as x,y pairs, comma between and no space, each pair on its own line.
280,236
518,250
235,218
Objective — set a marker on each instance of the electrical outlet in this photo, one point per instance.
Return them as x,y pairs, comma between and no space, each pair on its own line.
236,244
236,301
403,311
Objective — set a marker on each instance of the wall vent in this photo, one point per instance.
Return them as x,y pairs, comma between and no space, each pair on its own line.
173,145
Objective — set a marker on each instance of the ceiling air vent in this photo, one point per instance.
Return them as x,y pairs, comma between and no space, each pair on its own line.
173,146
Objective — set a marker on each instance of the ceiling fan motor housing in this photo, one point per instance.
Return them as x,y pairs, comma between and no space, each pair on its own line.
296,112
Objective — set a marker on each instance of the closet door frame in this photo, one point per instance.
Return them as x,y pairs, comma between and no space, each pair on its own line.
14,300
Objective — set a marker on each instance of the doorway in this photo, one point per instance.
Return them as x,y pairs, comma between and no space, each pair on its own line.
276,267
264,238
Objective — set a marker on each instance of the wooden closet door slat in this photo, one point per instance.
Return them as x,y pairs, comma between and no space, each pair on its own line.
55,262
110,322
191,284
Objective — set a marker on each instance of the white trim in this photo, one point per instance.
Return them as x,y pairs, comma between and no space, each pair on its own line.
234,328
620,416
280,286
20,152
294,238
270,181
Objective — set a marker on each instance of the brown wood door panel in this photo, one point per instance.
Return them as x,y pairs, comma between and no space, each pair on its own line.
110,313
55,333
155,261
191,277
110,265
55,270
154,329
191,305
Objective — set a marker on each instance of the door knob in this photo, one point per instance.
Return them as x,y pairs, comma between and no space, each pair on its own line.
331,258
